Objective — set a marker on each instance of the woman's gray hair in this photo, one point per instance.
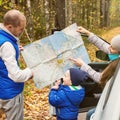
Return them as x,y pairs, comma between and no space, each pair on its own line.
115,42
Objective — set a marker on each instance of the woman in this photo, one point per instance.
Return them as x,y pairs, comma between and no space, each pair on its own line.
113,51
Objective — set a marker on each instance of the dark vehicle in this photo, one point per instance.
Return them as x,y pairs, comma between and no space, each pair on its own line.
93,89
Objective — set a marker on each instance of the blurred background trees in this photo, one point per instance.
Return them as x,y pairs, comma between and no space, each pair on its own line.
45,15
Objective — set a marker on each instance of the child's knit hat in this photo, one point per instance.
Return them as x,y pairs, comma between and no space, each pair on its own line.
77,75
115,42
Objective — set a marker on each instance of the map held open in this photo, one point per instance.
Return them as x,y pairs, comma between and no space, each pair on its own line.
49,57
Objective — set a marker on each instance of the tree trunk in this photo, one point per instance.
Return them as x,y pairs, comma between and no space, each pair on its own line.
60,14
47,16
68,12
30,23
104,13
13,3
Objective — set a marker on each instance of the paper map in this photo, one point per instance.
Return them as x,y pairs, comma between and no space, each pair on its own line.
49,57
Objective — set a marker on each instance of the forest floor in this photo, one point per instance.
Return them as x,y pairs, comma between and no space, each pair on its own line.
36,106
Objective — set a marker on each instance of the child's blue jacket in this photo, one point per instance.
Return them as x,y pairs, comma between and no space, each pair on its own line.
66,102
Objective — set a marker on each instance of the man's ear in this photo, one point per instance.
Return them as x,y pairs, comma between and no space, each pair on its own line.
9,27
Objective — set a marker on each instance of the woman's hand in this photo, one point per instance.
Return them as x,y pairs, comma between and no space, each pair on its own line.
78,61
83,30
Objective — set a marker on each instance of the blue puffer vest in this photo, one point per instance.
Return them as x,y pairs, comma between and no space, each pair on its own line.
8,88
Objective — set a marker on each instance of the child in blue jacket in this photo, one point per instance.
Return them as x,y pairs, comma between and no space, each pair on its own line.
67,96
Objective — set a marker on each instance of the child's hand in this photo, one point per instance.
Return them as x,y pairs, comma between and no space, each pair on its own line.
55,87
78,62
57,83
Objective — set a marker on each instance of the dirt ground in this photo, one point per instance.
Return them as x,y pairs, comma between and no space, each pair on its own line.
82,116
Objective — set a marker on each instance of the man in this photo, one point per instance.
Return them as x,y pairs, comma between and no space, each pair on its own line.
12,78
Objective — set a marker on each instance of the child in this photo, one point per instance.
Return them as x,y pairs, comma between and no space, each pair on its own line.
66,97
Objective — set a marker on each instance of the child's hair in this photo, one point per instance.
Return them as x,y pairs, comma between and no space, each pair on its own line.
108,72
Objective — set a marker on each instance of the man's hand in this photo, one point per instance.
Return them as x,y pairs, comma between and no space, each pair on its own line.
31,76
21,48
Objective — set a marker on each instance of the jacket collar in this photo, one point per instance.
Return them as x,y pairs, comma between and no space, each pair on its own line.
2,27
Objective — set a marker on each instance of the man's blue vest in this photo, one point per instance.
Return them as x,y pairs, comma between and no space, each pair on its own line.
8,88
